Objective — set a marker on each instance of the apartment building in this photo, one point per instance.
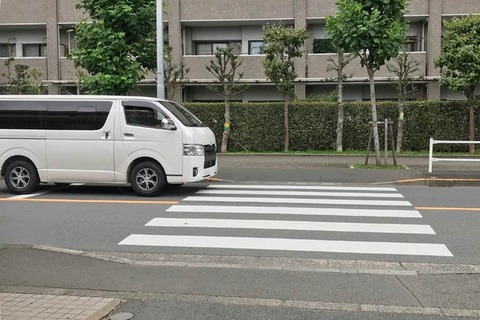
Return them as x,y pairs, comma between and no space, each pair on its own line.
40,33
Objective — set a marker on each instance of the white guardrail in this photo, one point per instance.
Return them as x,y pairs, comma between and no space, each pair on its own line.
431,159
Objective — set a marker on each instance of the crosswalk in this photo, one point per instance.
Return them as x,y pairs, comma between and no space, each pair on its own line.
298,218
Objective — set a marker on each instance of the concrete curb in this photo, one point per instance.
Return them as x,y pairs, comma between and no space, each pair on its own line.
273,263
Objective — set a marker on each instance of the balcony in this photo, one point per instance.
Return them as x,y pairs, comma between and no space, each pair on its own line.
23,11
460,7
38,63
67,70
318,63
67,11
252,67
201,10
325,8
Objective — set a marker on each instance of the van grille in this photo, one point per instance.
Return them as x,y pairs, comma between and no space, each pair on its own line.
210,156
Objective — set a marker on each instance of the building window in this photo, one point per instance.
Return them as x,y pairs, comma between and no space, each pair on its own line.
7,50
255,47
410,44
209,48
34,50
323,46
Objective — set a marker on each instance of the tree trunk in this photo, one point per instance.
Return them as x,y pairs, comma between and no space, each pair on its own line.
340,118
285,112
401,120
472,127
226,127
373,99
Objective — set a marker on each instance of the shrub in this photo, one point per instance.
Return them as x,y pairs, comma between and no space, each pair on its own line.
259,126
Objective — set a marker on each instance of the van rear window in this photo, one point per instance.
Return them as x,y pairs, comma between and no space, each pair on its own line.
23,114
54,115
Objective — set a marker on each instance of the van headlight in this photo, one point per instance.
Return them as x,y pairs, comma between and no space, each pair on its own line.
193,150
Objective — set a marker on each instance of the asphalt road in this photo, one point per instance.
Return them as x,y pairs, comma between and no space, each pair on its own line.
165,281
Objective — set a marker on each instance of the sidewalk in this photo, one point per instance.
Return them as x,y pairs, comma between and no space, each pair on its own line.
15,306
338,169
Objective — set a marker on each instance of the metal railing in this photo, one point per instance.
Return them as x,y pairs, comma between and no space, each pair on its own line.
431,159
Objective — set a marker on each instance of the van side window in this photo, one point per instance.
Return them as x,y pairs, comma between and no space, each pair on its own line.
22,114
77,115
143,116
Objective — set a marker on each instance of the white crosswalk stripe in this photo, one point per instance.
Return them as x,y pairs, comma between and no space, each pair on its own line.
302,193
291,225
290,208
422,249
301,201
347,212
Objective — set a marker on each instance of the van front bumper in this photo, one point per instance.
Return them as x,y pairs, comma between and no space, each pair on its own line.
194,170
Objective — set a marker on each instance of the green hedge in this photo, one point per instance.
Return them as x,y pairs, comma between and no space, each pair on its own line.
259,126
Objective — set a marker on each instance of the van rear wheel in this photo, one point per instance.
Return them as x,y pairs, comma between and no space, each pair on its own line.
21,177
148,179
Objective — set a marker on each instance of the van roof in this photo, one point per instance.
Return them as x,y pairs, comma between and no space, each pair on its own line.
76,97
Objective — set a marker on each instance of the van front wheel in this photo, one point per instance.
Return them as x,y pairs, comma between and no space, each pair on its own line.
148,179
21,177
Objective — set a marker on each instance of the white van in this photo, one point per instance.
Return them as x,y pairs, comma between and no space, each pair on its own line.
145,142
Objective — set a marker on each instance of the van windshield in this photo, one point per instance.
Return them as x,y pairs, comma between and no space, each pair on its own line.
181,113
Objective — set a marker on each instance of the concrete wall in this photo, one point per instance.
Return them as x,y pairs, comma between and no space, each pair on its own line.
233,9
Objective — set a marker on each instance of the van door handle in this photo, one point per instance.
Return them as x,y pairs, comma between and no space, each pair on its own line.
107,134
128,135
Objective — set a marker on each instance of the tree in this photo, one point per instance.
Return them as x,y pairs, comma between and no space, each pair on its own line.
281,45
339,65
460,62
404,68
374,30
22,80
117,46
224,68
173,73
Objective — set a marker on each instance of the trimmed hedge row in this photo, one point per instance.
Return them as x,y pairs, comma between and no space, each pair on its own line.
259,126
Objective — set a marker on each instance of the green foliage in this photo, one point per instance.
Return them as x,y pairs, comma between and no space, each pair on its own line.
22,80
282,45
224,67
460,58
117,47
258,125
374,29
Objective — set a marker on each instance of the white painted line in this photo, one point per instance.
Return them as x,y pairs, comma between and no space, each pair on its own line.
298,187
303,193
26,196
291,225
300,201
348,212
364,247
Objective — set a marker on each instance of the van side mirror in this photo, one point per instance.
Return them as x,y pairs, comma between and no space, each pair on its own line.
168,124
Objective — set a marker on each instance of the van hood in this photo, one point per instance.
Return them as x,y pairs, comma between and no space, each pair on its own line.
198,135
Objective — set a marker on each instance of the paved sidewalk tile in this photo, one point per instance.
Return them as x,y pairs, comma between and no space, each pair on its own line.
14,306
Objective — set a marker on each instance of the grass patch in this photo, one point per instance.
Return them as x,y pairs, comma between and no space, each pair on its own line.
381,167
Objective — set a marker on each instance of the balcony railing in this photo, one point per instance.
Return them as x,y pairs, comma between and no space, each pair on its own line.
39,63
253,70
318,64
252,67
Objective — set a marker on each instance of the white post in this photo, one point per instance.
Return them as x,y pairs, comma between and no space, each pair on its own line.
160,80
430,156
386,141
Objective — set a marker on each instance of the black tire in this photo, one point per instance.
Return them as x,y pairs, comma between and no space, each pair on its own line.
21,177
148,179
